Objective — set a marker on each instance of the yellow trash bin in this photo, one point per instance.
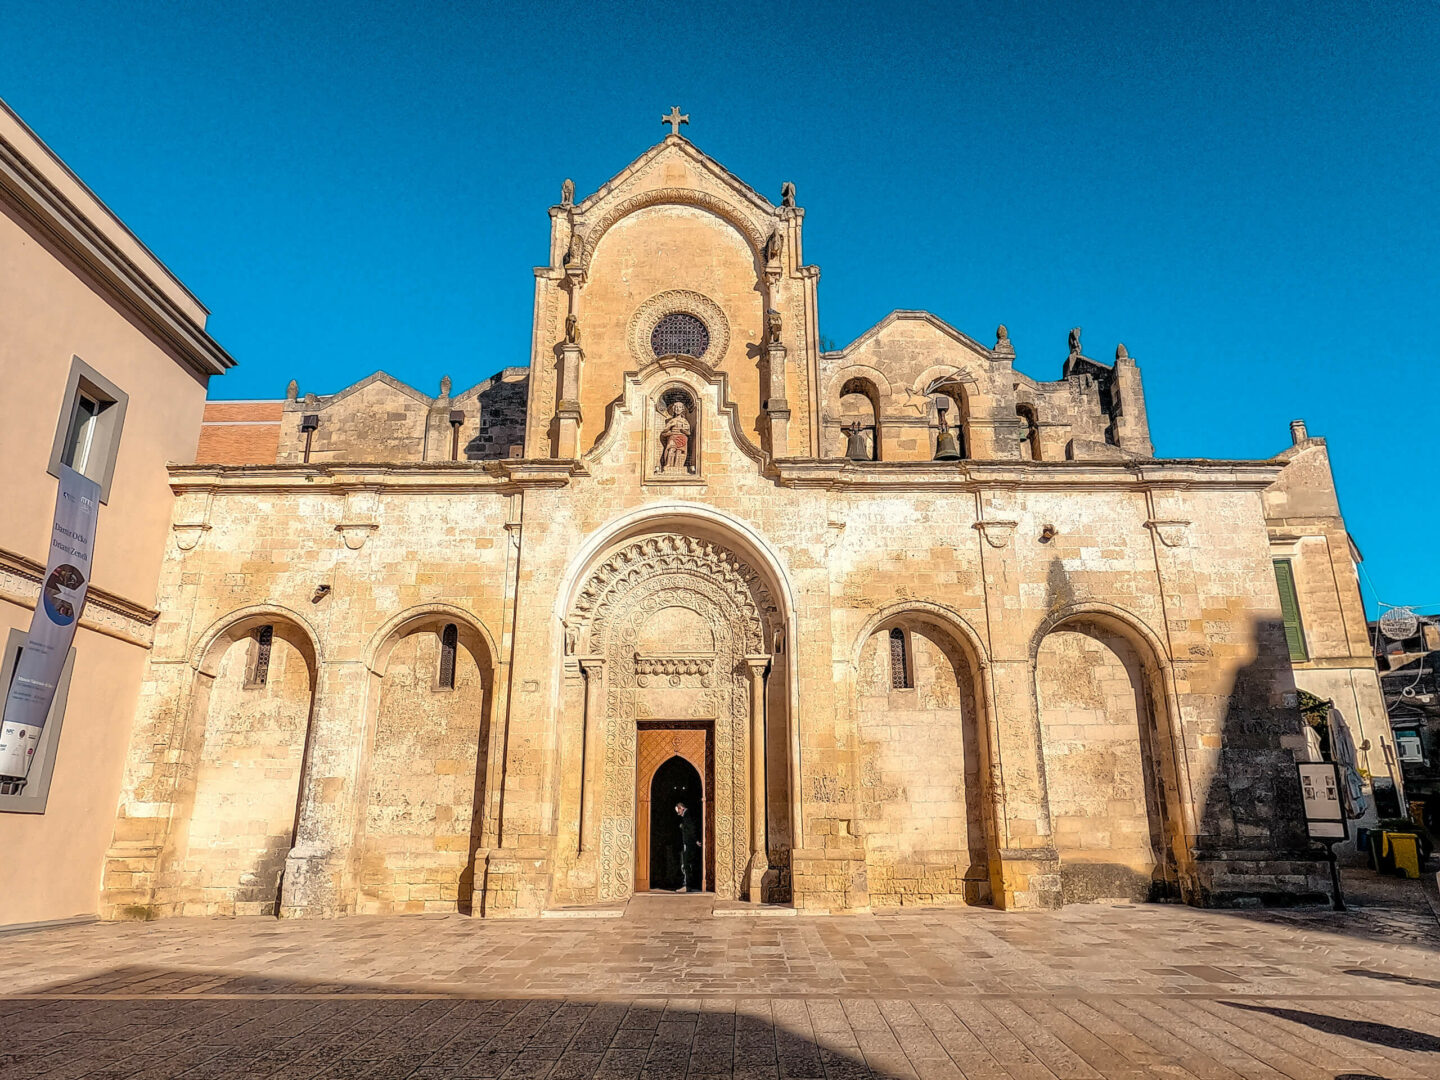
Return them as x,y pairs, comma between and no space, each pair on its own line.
1404,849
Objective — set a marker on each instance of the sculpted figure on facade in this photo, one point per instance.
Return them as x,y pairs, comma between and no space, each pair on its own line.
1075,341
567,192
572,330
774,324
787,194
675,439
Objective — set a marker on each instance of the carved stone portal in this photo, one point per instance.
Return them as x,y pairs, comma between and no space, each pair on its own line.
681,623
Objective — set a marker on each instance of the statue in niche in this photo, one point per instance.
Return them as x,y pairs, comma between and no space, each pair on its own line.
774,323
1075,341
572,330
787,194
576,251
567,192
675,438
774,246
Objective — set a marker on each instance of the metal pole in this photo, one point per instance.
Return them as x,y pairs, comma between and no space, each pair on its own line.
1339,903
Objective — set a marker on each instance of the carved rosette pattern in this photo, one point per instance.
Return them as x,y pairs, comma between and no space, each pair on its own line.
625,591
648,315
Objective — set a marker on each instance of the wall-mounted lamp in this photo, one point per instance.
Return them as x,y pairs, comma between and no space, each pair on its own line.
308,423
457,418
1048,533
321,591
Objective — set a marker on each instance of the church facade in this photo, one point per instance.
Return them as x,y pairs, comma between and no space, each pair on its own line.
900,624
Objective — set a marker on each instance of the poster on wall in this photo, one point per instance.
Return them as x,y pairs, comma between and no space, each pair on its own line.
52,627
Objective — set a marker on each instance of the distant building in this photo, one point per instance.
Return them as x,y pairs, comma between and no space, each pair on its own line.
1412,697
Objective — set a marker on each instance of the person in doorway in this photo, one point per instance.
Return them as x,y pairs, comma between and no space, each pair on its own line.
688,841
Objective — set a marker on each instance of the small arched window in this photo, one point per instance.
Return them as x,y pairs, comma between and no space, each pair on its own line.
258,669
449,643
899,662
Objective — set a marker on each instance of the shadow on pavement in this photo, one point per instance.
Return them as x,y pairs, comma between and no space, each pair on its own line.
1408,980
157,1024
1396,1038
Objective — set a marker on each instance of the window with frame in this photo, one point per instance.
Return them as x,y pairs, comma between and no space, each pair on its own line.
87,432
1290,610
900,677
449,649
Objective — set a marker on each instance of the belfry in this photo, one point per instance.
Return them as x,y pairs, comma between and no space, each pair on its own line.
682,600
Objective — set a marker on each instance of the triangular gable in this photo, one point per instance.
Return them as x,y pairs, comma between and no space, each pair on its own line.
682,146
369,380
923,316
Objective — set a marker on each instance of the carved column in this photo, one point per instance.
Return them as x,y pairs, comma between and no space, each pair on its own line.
593,668
759,861
567,410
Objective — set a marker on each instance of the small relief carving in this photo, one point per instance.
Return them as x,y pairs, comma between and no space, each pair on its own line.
675,433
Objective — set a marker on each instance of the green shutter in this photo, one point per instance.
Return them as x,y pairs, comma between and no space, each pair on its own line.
1290,608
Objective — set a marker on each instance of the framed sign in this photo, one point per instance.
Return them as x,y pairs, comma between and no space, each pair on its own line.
1324,808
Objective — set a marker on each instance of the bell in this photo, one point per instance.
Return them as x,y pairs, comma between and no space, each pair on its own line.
855,448
947,447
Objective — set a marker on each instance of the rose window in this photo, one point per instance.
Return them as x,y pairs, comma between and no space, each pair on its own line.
680,334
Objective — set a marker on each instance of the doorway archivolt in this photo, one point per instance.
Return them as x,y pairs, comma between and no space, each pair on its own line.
679,629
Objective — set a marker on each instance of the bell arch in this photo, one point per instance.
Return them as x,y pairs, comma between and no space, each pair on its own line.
680,627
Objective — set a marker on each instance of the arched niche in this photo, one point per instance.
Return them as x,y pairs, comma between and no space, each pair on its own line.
426,756
859,412
1113,784
923,744
1029,434
242,758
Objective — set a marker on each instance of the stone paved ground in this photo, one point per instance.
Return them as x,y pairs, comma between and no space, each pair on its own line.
670,993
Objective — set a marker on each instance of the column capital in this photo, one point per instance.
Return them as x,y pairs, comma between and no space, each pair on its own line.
757,662
591,665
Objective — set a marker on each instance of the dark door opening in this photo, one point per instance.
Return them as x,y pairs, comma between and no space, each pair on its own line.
677,843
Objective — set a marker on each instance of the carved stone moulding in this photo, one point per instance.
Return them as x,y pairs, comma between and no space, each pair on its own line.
355,533
188,534
673,665
648,315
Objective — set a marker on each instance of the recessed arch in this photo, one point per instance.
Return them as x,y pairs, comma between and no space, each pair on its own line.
743,222
398,625
215,638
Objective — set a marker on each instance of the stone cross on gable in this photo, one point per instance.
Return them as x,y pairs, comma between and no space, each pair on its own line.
675,119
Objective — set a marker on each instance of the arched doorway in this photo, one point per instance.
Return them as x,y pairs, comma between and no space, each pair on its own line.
677,835
680,634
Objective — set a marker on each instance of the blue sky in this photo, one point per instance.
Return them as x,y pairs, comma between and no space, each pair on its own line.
1244,194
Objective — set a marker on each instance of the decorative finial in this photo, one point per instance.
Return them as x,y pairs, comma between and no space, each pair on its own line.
445,386
1075,341
1122,353
292,391
675,119
567,192
1001,334
787,194
1298,432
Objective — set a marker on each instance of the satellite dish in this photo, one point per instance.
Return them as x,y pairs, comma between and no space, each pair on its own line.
1399,623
